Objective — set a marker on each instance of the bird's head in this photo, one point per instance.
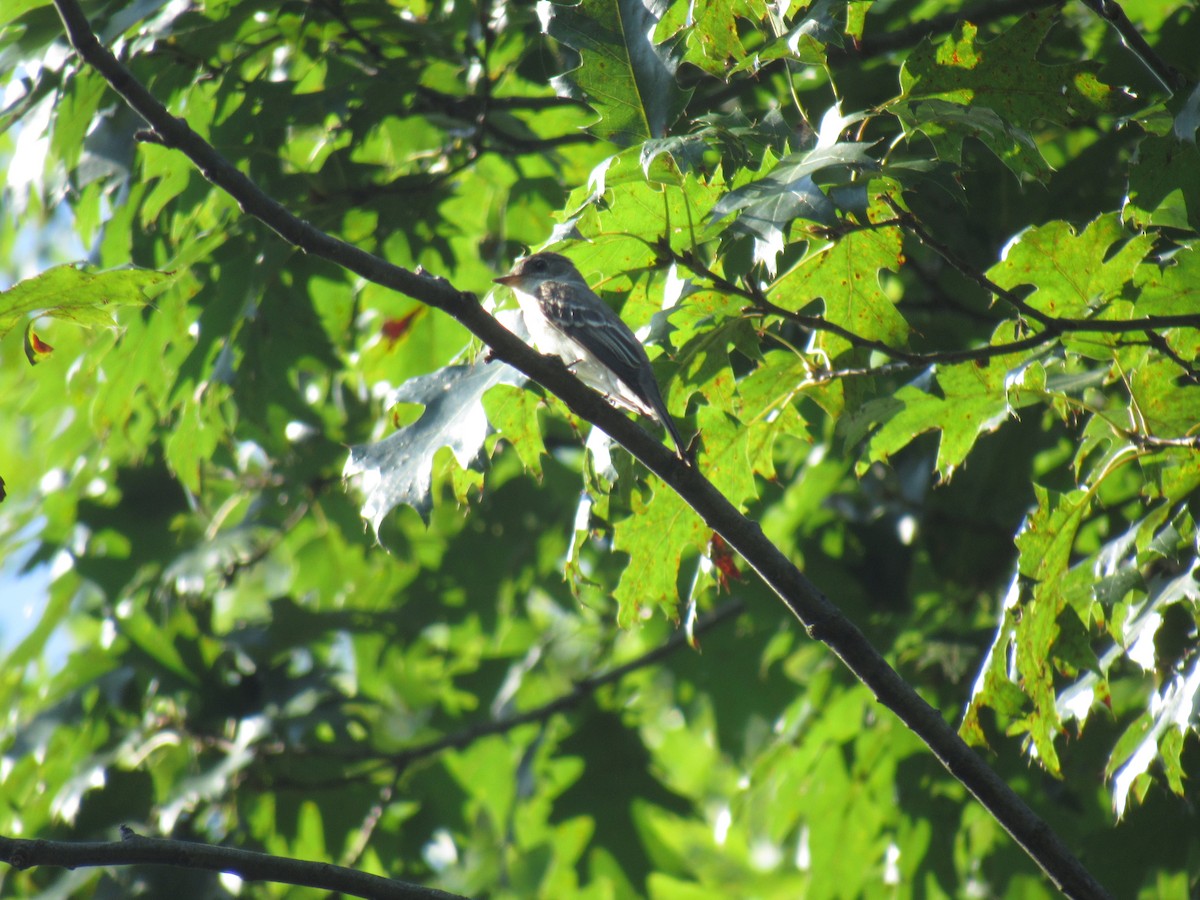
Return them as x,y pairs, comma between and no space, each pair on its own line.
531,271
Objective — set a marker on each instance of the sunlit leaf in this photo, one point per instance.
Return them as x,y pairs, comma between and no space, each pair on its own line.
71,294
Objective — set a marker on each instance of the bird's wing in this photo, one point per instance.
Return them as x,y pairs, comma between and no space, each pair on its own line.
589,322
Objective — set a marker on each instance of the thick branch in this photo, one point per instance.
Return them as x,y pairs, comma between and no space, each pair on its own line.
137,850
822,619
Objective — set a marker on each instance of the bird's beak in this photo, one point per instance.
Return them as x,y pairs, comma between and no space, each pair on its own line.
508,280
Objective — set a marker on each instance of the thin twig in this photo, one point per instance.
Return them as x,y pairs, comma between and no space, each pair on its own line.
1053,328
1058,326
1110,11
1151,442
581,690
1163,346
334,8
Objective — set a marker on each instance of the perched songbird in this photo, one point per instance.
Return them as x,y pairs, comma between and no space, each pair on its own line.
566,319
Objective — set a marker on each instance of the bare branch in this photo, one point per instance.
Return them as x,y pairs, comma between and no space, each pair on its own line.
134,849
907,361
1150,442
1110,10
1163,346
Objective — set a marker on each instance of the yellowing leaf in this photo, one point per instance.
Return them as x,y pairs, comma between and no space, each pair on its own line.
69,293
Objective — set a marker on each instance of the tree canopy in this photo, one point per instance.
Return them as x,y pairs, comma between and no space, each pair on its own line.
337,570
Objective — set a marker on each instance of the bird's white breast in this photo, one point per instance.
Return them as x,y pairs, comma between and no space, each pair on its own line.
549,340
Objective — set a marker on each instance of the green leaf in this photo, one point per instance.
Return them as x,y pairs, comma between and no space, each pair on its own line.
1169,289
767,206
156,642
994,688
197,433
806,40
964,401
1077,273
845,275
80,106
766,407
1036,633
1164,183
69,293
623,216
1168,406
171,172
399,469
657,535
998,91
1049,535
513,413
627,78
710,30
726,457
18,8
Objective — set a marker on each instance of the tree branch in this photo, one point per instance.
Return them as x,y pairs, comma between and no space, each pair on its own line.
1110,11
820,617
907,361
1055,325
134,849
1163,346
583,689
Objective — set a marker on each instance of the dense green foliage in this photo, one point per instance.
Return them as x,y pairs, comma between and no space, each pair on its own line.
920,280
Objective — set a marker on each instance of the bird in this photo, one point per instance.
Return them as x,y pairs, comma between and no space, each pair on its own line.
566,319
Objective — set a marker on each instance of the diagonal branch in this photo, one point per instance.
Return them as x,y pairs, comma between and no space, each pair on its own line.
1110,10
582,689
1053,324
820,617
579,692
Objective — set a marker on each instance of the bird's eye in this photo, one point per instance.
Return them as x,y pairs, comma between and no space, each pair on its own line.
537,265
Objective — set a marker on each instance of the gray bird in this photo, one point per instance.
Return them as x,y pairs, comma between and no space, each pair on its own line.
566,319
